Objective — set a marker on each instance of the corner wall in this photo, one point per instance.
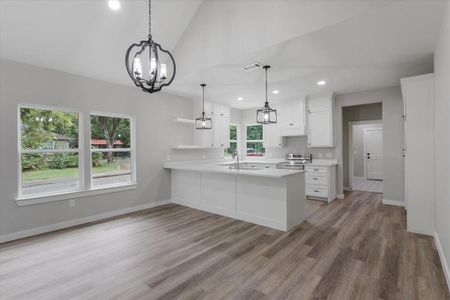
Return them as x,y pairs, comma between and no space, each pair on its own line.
442,142
155,134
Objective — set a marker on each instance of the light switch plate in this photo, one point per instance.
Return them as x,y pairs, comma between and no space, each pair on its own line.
72,203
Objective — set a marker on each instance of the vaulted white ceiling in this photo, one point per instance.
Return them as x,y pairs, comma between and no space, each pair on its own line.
353,45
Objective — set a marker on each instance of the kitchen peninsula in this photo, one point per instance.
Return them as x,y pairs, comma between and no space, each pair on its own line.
256,193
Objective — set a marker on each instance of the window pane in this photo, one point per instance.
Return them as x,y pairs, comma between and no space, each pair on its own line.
49,173
110,168
233,132
255,132
255,149
47,129
109,132
233,147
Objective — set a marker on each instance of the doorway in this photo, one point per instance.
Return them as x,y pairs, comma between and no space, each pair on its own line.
366,156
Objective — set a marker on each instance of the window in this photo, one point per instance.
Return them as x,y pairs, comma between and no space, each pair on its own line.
255,141
48,150
110,150
234,129
53,159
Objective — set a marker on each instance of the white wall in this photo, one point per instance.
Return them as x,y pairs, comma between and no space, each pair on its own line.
20,83
392,105
442,137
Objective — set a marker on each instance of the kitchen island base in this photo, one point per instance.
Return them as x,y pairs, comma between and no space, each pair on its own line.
277,203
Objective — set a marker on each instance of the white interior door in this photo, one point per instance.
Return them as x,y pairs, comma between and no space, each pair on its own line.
373,145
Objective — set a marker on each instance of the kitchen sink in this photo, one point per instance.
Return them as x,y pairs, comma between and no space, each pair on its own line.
242,166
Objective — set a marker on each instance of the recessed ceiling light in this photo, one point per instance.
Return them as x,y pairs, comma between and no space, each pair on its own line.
240,98
276,91
321,82
114,4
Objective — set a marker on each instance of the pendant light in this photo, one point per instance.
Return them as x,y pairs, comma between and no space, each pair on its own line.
266,115
203,122
148,64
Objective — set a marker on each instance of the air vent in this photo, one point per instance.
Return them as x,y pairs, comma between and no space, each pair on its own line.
253,66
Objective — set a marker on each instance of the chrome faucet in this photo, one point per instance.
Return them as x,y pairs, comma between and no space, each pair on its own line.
235,155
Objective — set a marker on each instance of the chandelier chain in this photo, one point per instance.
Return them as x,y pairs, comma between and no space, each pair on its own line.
150,19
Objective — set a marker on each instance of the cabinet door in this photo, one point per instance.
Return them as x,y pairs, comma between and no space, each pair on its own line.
271,136
292,118
203,137
221,129
221,110
318,104
320,129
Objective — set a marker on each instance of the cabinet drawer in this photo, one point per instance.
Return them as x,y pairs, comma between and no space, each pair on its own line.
317,178
316,169
317,191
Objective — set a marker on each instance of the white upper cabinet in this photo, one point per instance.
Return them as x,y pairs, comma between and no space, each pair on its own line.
292,118
272,135
221,131
220,110
320,121
218,136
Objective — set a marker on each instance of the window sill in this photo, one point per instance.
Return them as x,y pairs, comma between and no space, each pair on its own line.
35,199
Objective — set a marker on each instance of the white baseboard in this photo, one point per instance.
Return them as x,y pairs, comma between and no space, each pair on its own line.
443,259
71,223
340,196
393,202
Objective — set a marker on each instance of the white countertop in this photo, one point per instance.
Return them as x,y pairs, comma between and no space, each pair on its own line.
219,166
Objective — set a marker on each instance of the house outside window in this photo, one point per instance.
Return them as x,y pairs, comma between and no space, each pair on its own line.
254,140
234,140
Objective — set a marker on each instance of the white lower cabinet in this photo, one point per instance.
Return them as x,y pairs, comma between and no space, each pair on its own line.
321,182
273,202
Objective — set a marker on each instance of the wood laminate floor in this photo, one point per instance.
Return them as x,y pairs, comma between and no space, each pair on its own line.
356,248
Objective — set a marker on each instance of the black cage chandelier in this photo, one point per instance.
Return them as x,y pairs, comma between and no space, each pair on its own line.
203,122
266,115
148,64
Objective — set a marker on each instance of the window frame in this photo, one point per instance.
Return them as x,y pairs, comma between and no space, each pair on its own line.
131,149
85,187
254,141
238,136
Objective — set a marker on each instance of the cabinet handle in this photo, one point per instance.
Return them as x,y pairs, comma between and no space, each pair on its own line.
291,124
315,178
316,191
316,169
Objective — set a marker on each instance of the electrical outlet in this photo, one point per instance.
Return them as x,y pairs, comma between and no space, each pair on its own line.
72,203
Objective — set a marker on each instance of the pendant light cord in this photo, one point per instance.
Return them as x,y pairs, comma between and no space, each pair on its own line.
150,19
267,99
203,86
